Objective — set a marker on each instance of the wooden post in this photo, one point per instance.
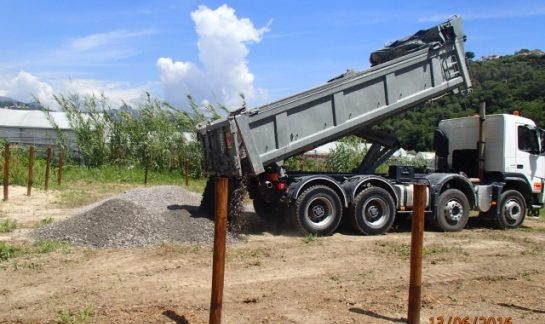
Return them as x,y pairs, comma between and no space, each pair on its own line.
30,169
6,171
220,233
61,160
417,242
47,168
186,165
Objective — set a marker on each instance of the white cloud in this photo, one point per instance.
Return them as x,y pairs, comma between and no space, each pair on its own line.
98,40
99,48
489,14
27,87
180,79
222,44
436,18
85,51
115,92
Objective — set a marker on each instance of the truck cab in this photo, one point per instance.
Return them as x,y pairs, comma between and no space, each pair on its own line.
514,153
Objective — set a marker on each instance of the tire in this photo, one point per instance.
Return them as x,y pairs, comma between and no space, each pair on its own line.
318,210
265,210
208,201
373,211
512,210
452,211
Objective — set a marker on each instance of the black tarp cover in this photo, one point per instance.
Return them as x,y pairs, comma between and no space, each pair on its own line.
421,39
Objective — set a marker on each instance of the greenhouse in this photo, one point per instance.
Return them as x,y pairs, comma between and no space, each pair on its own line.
26,127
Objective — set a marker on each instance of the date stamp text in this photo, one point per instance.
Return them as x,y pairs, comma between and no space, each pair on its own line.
470,320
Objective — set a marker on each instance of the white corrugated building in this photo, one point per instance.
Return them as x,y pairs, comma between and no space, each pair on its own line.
32,127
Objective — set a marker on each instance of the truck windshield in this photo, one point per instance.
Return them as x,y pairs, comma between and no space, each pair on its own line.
528,141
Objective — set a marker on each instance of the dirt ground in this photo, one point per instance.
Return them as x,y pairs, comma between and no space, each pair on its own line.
277,278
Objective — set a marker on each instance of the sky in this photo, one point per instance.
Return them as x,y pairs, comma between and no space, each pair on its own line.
216,50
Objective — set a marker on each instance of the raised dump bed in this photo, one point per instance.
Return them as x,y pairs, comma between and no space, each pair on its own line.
421,67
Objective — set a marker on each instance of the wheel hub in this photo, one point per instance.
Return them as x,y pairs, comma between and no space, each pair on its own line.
373,212
318,211
454,211
512,210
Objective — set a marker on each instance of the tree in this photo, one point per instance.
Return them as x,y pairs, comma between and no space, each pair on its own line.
505,84
87,118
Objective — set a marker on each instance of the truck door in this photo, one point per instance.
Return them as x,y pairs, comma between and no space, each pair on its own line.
530,157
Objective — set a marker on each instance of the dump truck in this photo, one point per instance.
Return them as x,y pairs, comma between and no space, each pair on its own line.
493,165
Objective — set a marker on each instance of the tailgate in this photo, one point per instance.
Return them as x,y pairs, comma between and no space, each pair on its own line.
220,149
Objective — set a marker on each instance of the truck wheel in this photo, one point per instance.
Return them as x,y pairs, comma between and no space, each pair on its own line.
512,210
208,200
452,211
265,210
318,210
373,212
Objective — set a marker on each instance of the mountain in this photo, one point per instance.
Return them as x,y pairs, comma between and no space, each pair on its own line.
505,83
7,102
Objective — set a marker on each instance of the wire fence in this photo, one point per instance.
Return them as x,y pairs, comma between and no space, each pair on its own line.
41,139
7,168
18,162
169,158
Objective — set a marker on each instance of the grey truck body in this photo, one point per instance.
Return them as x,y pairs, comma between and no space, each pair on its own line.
247,141
251,145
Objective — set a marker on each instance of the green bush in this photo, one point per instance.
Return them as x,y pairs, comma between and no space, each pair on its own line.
8,251
151,136
87,116
84,315
18,166
304,163
7,225
347,155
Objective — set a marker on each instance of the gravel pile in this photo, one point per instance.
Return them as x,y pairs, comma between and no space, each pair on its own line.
138,217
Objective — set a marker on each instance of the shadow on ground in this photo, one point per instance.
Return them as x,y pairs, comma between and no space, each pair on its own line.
537,311
376,315
178,319
194,211
252,224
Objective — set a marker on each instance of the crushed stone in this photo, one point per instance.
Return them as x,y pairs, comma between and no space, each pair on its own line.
136,218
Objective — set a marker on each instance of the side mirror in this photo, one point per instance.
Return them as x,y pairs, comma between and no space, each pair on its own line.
440,143
542,140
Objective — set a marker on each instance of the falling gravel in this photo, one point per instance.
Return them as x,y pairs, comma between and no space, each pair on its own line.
135,218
